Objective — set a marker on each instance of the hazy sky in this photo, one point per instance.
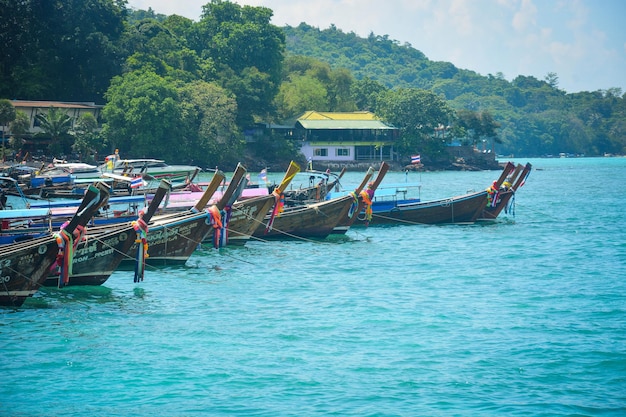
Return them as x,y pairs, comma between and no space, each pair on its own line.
582,41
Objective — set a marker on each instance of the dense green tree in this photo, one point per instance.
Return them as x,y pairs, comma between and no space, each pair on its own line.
306,75
254,95
478,126
417,113
143,116
87,140
7,112
365,93
211,134
161,46
19,127
60,49
7,115
247,51
340,92
299,94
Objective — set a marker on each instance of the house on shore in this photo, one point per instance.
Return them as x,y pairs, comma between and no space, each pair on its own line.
346,137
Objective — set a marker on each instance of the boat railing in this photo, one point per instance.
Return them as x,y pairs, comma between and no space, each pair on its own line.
22,221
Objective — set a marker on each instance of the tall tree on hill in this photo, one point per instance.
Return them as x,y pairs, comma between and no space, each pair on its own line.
210,132
340,96
365,93
60,49
417,113
143,116
479,126
162,48
299,94
310,84
247,51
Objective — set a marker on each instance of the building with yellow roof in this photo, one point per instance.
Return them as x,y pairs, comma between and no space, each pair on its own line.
345,136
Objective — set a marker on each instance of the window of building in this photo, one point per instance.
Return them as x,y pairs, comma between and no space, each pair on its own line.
321,152
342,152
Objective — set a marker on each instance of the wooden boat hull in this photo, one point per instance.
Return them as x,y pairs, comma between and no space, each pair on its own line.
460,209
320,184
465,208
360,198
25,266
491,212
246,217
312,220
97,257
350,216
23,269
172,239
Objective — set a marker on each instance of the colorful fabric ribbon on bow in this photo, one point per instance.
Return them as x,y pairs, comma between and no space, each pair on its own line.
215,219
141,231
226,214
368,206
279,206
67,243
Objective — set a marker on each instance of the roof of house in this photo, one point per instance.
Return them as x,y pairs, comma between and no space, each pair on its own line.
341,120
344,124
355,115
60,104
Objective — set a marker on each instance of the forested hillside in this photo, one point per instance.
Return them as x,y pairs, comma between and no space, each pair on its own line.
188,90
536,117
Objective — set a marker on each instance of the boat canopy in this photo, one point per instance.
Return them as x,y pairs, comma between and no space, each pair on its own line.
75,203
23,214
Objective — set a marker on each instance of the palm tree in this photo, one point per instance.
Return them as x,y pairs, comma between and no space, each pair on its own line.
56,125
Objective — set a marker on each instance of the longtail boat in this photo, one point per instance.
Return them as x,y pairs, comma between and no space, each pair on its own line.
319,184
174,237
118,210
24,224
247,215
25,266
102,249
156,168
221,212
504,196
362,204
316,220
459,209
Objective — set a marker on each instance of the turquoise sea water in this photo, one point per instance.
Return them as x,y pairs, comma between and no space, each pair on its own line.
524,316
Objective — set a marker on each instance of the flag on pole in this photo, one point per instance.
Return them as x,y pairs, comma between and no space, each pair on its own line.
110,162
415,159
136,182
263,175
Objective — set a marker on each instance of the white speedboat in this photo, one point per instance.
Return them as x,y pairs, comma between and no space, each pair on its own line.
76,169
155,168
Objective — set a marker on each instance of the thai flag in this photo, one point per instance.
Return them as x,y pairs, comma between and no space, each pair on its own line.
415,159
136,182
